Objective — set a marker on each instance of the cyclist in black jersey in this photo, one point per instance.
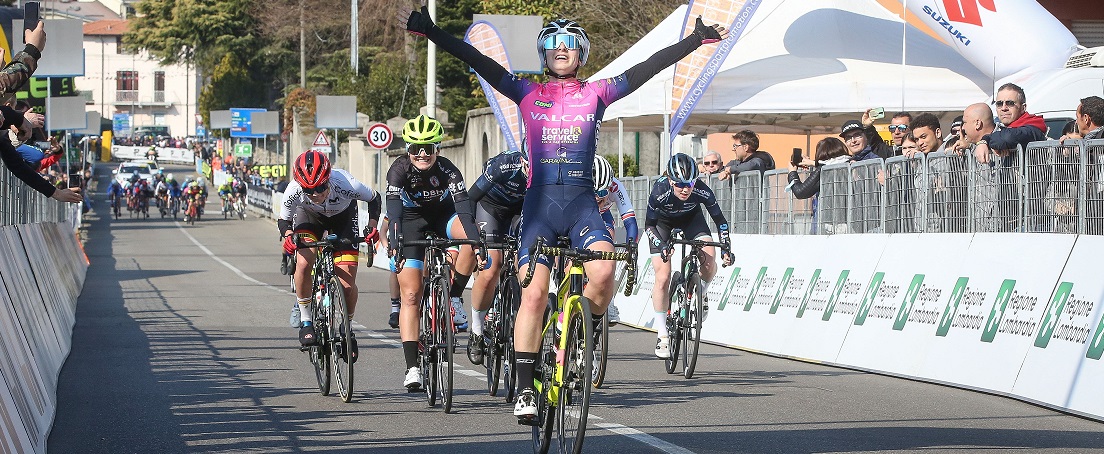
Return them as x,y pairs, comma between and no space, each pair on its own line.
675,203
426,193
496,199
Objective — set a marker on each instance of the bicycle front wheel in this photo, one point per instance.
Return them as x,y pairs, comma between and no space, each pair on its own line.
544,424
446,340
674,323
509,362
691,331
427,354
319,352
573,407
342,334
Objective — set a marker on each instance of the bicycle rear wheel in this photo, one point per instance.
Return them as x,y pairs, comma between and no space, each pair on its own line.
341,330
573,407
691,332
509,363
319,352
446,341
427,350
601,354
674,334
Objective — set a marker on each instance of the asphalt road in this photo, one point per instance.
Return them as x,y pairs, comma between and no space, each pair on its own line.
182,345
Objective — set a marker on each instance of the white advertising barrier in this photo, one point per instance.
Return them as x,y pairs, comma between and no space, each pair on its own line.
126,152
1065,367
989,325
842,266
749,294
904,301
1013,313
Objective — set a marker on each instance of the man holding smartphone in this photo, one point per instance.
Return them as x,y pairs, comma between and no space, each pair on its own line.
862,140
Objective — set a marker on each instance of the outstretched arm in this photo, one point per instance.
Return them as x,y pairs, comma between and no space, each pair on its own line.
670,55
420,23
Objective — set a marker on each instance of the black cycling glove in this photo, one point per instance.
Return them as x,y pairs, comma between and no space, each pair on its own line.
707,34
420,22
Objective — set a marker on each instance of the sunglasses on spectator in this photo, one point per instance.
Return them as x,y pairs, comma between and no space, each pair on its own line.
898,128
711,163
419,149
601,193
1005,103
554,41
681,185
737,145
317,190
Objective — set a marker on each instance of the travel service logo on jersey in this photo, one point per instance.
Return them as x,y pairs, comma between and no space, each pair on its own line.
567,134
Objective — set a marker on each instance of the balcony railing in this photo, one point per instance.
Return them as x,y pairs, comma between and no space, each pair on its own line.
158,96
126,95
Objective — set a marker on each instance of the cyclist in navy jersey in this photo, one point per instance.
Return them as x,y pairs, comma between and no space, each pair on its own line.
675,203
561,119
496,199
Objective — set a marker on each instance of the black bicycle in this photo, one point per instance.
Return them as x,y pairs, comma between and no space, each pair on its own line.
333,327
687,305
437,332
498,333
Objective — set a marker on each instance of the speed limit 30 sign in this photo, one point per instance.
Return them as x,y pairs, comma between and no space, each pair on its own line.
379,136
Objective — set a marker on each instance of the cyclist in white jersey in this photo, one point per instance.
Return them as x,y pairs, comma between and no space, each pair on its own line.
319,200
607,192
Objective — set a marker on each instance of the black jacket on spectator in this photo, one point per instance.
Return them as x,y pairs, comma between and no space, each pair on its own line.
14,161
760,160
877,144
805,189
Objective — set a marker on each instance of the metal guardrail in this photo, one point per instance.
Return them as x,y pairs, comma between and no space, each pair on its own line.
19,204
1049,187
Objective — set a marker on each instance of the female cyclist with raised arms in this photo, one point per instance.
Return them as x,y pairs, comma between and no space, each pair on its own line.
425,194
675,203
320,199
561,120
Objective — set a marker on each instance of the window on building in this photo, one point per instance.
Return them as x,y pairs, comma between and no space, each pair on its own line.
126,80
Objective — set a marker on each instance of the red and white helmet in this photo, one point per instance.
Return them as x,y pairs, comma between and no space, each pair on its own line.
312,169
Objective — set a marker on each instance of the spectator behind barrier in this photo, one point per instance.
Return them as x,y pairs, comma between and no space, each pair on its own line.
863,141
1090,118
899,128
925,128
954,134
711,163
1019,127
748,156
829,150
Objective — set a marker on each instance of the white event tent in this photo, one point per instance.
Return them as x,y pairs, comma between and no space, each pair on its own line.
806,67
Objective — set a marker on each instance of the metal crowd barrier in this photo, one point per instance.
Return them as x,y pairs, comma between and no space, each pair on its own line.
1049,187
19,204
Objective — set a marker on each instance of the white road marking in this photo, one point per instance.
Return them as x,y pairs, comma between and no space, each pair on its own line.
612,427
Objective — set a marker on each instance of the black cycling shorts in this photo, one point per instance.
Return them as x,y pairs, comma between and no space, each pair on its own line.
416,223
495,220
343,224
693,226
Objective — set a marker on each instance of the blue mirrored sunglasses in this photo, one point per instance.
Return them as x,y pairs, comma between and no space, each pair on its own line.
901,128
681,185
601,193
554,41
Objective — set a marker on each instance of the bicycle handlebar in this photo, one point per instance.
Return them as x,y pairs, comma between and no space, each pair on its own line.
582,255
329,242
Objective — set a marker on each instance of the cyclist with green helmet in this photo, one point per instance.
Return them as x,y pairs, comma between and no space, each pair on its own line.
426,193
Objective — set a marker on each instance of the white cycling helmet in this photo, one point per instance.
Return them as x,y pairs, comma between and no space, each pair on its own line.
603,173
564,27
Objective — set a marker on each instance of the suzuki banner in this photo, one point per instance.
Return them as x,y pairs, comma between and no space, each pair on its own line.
999,38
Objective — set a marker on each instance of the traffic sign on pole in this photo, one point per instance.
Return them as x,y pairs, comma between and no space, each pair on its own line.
321,140
379,136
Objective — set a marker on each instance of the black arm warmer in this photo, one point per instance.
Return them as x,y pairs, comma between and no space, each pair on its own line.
284,225
485,66
22,170
668,56
374,208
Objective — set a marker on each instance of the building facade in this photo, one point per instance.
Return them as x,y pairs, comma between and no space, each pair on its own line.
120,82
